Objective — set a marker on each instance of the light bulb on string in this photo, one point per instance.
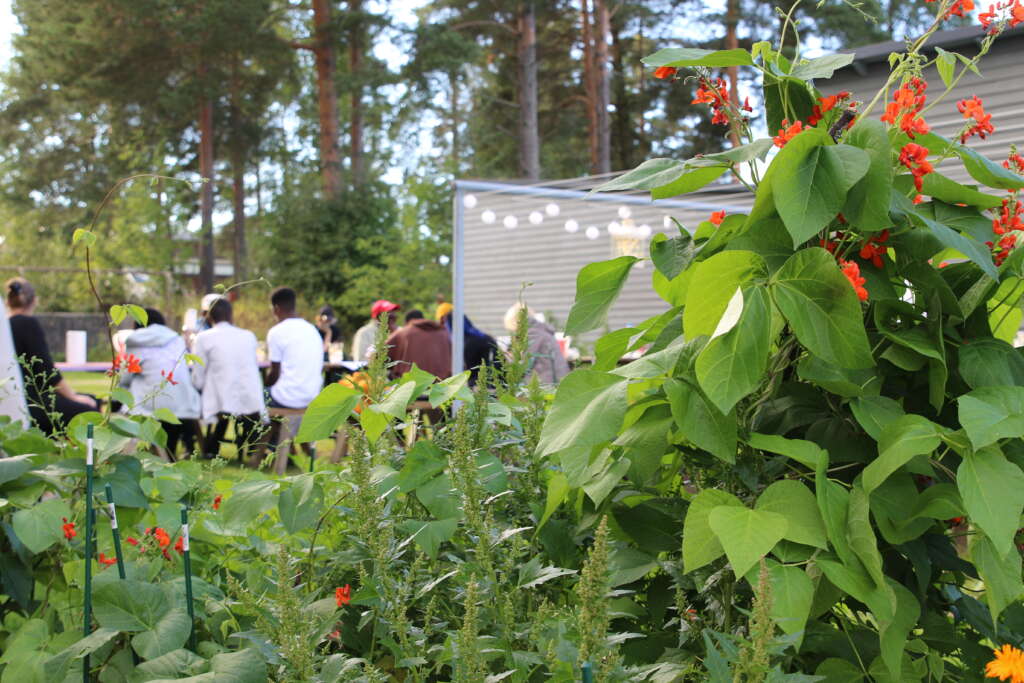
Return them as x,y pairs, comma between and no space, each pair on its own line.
593,233
536,217
510,222
571,225
645,231
614,228
469,201
552,209
488,216
624,212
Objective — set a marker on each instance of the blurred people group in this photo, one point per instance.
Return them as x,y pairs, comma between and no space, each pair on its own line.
223,389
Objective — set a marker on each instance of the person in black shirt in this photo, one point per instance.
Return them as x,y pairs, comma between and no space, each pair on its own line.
48,394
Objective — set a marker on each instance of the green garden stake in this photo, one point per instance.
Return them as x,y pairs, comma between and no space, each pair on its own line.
188,579
114,531
89,523
588,672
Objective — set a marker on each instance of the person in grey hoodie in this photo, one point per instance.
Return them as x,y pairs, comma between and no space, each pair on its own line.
164,380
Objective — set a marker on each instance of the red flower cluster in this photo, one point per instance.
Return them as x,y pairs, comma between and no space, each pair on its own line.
130,363
216,502
132,541
717,217
665,72
68,528
169,376
915,158
787,133
974,109
717,95
161,536
905,108
852,272
958,8
1015,16
107,560
825,105
180,545
873,250
343,596
1009,222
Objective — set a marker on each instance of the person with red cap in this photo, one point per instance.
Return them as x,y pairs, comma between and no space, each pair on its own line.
363,340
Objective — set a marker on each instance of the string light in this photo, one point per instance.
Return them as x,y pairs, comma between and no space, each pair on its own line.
469,201
624,212
593,233
614,228
488,217
571,225
510,222
645,231
552,209
536,217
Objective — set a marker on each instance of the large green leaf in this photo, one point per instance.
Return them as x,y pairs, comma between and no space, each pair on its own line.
902,439
456,386
40,526
597,287
691,56
301,503
746,535
732,365
795,94
893,632
713,285
862,208
700,422
430,535
700,545
758,149
13,467
689,181
58,666
243,666
247,502
821,67
991,362
992,413
804,452
589,408
874,413
172,665
938,186
794,501
395,403
168,633
988,172
992,488
974,250
822,308
834,504
647,176
671,256
130,605
1000,572
810,192
861,536
327,412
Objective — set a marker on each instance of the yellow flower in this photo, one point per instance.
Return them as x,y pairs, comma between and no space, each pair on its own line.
1007,666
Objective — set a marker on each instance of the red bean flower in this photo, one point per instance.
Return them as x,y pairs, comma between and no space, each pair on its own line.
717,217
133,364
825,105
104,560
874,249
180,545
905,108
716,94
787,133
132,541
169,376
915,158
343,595
973,109
68,528
852,272
665,72
216,502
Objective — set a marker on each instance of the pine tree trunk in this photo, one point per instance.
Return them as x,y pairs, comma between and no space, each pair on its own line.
238,194
624,135
589,82
453,85
732,17
327,99
529,134
206,253
355,62
602,22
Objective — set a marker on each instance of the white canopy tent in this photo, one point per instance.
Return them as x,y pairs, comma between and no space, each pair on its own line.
512,235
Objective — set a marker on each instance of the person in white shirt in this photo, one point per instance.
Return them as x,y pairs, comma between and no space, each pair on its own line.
296,363
229,379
